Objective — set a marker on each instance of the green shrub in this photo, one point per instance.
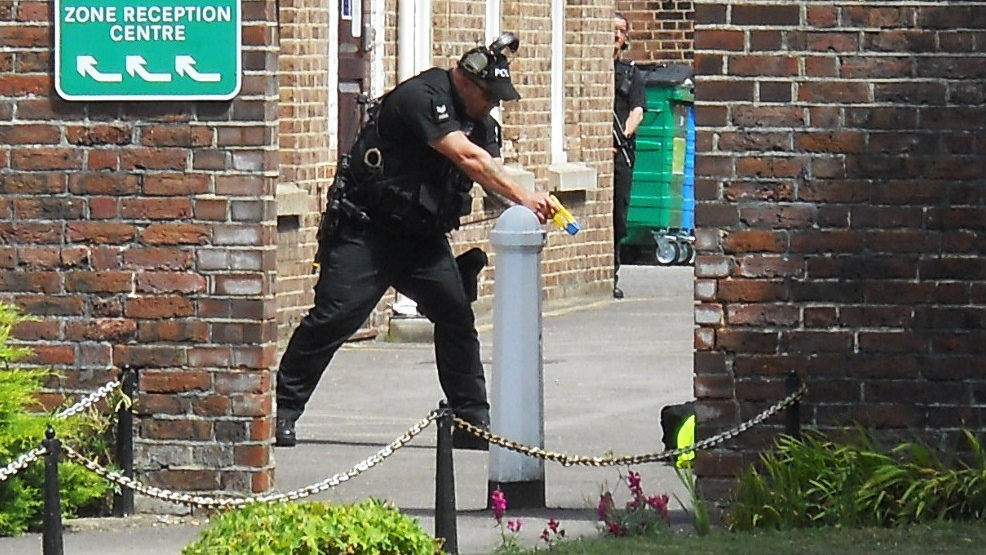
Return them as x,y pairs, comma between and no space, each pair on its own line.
923,486
817,482
369,527
22,428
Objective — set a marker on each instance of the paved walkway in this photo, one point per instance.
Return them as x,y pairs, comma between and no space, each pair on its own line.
609,368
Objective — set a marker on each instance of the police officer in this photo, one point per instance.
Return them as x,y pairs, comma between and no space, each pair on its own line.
629,105
407,183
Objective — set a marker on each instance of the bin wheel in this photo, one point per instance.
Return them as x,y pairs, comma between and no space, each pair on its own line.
667,251
687,253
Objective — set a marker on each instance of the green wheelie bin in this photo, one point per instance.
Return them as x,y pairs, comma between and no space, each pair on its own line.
655,215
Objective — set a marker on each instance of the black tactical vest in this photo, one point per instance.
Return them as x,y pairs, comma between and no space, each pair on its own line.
404,188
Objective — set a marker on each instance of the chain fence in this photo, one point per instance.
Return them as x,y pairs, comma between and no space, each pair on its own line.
572,460
227,501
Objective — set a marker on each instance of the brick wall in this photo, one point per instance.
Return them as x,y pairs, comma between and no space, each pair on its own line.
840,214
141,234
307,156
660,31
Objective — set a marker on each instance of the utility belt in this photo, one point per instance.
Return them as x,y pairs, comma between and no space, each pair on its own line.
403,205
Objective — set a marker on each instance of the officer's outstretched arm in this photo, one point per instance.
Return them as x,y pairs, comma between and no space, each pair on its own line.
483,169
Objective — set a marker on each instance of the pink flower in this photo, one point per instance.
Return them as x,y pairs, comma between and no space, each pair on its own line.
553,525
633,482
615,529
605,505
498,502
660,504
545,535
514,525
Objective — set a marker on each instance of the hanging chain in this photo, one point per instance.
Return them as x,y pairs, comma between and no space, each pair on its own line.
226,502
21,462
571,460
90,400
29,457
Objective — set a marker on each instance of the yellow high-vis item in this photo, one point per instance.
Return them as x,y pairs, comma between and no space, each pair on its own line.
685,438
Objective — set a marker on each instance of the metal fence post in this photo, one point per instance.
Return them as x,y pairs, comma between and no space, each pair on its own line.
791,385
445,525
123,502
51,525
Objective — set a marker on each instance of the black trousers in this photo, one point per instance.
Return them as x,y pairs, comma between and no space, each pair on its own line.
622,181
358,263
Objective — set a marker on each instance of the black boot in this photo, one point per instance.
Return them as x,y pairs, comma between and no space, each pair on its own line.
284,435
464,439
617,292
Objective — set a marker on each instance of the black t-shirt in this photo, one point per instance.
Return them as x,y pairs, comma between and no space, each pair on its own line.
629,85
422,109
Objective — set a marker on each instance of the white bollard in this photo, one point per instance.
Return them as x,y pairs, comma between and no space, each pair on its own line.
517,388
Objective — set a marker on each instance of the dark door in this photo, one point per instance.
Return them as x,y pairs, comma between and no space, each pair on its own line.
353,67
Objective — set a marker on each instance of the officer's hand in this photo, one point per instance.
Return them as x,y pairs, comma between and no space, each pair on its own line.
540,203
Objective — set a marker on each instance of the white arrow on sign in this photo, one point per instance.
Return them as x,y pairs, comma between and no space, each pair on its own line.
186,64
135,65
86,65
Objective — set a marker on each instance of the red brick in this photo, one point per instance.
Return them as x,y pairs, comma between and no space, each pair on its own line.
251,455
99,282
793,215
174,381
719,40
99,232
155,258
102,329
175,234
185,430
760,15
168,135
153,159
747,341
211,405
831,41
101,160
822,16
33,183
760,314
29,134
99,135
817,241
844,92
156,208
162,306
51,355
768,116
45,158
725,91
173,332
761,40
740,241
152,403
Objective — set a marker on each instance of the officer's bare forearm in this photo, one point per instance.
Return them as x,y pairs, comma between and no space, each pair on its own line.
482,168
494,179
633,121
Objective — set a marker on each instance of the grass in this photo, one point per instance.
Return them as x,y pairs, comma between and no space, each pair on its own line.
958,538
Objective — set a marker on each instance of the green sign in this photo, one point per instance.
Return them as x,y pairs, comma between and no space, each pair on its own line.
147,49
